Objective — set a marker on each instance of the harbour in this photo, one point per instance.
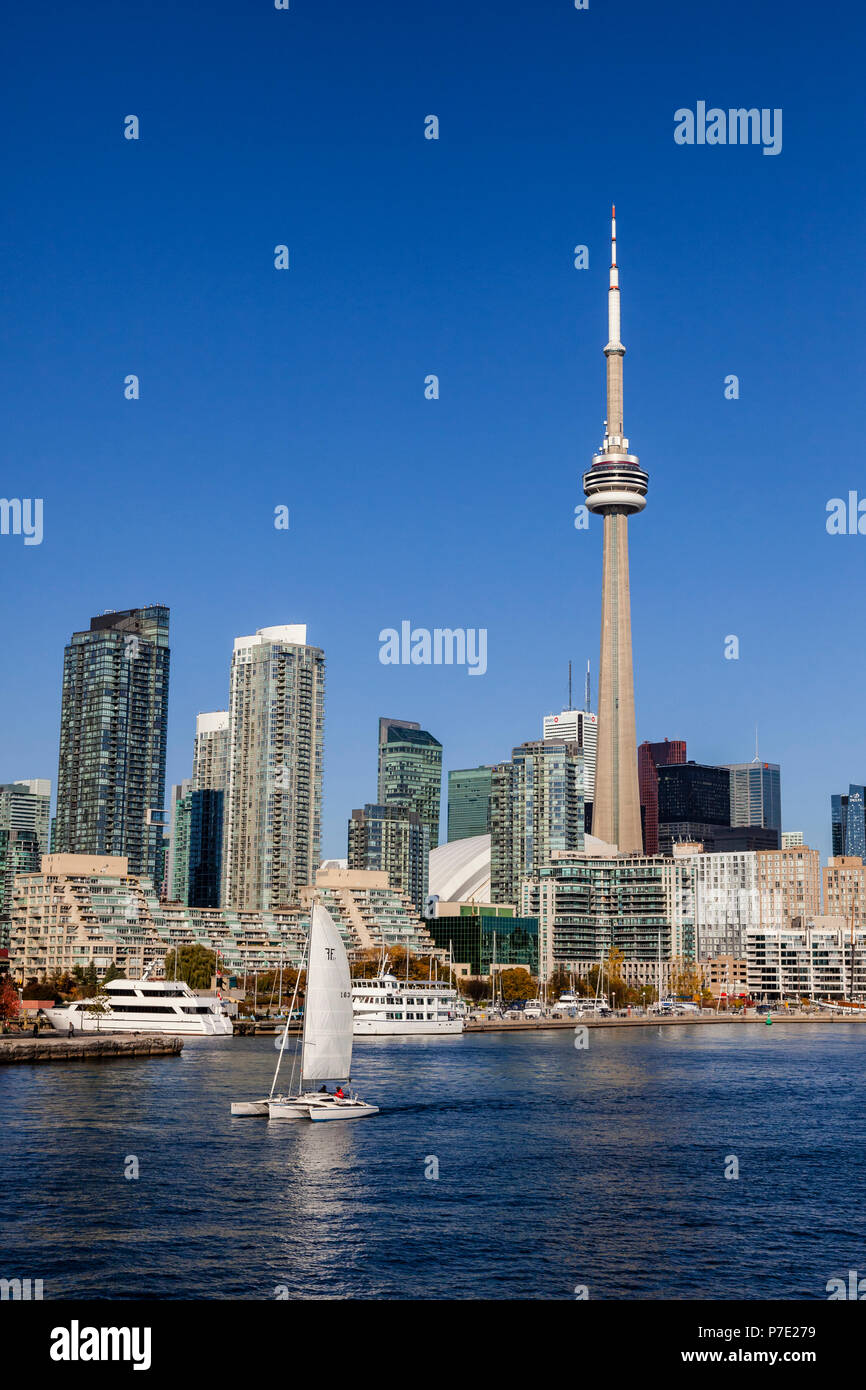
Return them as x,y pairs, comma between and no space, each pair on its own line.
501,1166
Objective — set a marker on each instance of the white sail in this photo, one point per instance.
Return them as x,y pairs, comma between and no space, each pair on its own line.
327,1051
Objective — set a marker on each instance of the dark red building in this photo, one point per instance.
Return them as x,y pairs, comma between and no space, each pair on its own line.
651,756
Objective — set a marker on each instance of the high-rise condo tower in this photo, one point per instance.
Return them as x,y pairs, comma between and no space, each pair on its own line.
616,486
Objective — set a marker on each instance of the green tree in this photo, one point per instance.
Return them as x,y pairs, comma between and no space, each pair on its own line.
113,972
194,964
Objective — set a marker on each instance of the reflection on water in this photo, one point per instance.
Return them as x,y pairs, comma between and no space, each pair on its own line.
557,1166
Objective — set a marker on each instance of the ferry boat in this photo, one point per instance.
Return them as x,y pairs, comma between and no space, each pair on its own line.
145,1006
386,1007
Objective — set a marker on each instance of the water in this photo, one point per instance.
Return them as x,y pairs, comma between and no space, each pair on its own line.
557,1168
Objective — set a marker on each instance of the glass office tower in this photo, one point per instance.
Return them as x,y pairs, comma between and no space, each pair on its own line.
469,802
410,771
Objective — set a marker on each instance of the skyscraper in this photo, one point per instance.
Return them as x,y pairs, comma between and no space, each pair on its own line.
536,807
616,486
396,841
848,814
197,848
24,837
650,757
694,803
26,806
113,723
410,771
273,804
756,795
581,727
198,821
211,753
469,802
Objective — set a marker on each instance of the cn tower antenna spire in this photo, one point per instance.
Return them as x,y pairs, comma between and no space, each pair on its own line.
614,352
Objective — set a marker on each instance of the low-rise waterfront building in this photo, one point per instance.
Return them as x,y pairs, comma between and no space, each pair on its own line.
83,909
818,960
479,934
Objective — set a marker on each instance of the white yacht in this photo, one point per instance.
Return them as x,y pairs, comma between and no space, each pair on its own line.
386,1006
144,1006
533,1008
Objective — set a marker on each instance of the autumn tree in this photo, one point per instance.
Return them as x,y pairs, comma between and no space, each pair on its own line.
516,985
686,981
475,989
10,1004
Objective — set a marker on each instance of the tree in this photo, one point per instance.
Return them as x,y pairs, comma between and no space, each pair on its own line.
194,964
97,1007
35,989
10,1004
475,990
558,982
687,980
86,980
113,972
516,985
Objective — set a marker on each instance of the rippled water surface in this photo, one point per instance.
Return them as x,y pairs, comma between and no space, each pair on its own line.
557,1167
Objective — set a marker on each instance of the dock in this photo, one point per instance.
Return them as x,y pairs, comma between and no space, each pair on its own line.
503,1025
88,1047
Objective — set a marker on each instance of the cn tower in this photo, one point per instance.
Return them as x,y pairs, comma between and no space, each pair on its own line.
616,486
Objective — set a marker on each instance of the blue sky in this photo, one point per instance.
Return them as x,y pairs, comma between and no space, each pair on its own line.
306,387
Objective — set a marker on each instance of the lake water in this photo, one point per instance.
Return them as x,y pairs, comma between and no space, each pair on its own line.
557,1167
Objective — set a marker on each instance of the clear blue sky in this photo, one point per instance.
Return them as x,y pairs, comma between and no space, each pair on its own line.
410,257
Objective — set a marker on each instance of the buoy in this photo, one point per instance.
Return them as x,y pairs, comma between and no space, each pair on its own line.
769,1020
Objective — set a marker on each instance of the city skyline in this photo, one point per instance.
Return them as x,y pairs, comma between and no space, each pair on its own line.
241,367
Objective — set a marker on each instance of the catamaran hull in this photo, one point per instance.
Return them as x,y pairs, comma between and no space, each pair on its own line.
319,1107
249,1107
287,1110
353,1110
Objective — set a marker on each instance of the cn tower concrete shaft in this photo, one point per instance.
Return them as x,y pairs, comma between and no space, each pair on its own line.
616,809
616,487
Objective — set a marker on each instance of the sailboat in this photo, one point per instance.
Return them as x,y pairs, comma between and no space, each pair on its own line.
326,1044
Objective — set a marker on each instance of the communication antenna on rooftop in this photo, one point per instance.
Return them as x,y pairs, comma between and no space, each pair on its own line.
570,706
588,704
756,759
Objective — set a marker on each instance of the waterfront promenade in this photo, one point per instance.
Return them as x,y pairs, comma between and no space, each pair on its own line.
94,1047
507,1025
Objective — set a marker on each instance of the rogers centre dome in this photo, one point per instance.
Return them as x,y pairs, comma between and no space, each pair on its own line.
460,870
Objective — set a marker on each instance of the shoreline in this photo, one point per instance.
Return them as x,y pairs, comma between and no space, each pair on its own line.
518,1026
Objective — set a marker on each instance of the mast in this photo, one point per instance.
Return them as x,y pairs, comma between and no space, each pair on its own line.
306,1011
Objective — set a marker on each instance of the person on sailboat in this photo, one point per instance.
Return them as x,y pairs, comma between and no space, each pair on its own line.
339,1093
322,1088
